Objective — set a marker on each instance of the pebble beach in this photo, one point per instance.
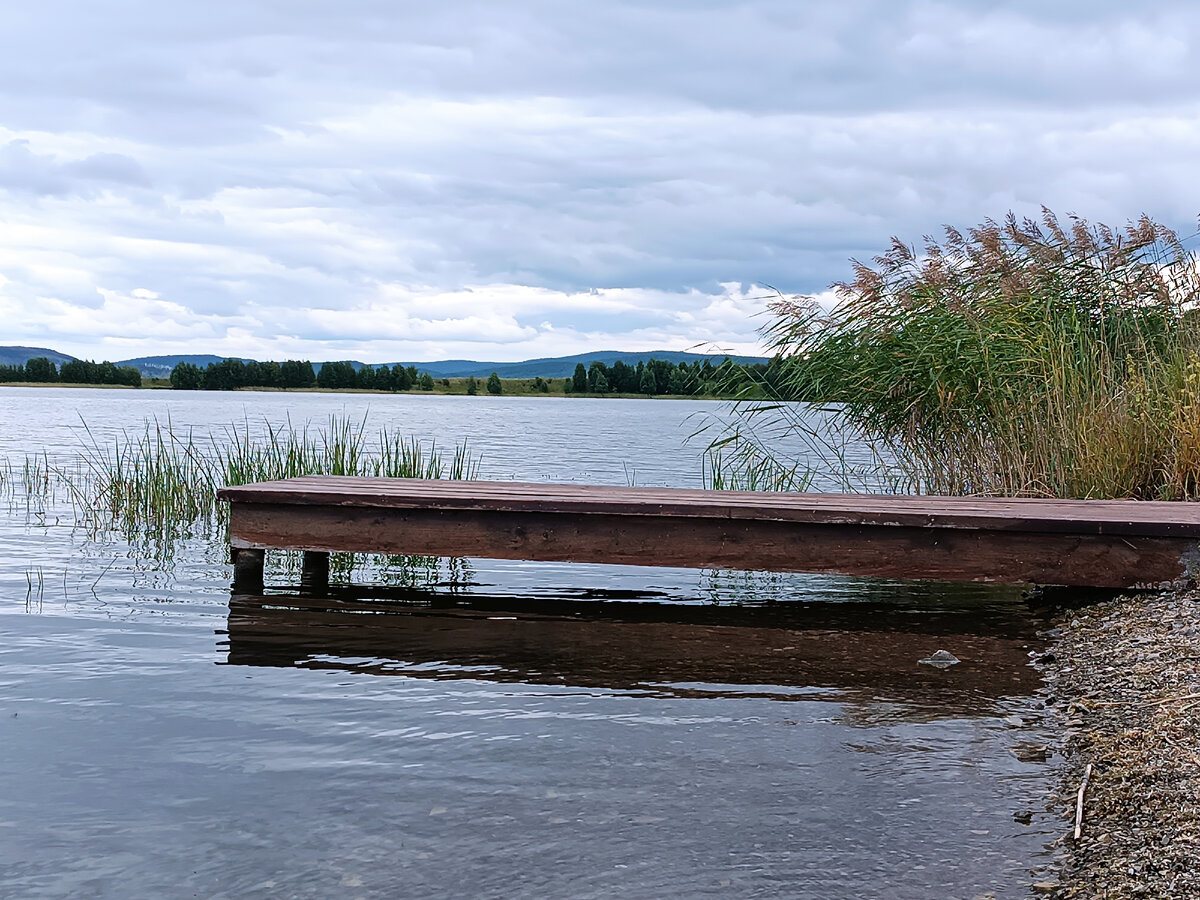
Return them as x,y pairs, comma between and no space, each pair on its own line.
1123,675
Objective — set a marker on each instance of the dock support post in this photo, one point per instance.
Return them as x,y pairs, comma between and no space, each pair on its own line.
247,570
314,572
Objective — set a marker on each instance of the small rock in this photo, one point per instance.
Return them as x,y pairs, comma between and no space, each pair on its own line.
1031,752
942,659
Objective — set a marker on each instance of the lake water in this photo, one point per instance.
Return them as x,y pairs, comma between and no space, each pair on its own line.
494,729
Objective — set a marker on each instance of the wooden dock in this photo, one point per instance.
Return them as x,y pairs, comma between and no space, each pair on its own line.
1083,543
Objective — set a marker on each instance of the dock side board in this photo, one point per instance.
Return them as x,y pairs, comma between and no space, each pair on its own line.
1084,543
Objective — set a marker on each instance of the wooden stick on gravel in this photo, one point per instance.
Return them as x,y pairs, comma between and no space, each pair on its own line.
1079,804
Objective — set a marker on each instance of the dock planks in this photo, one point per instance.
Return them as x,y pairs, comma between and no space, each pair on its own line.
1087,543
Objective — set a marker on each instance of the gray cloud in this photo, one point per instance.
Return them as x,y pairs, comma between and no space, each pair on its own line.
24,171
367,159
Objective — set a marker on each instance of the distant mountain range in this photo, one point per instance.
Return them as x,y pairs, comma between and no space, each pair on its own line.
549,367
18,356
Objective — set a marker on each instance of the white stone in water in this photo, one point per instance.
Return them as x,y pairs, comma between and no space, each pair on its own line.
943,659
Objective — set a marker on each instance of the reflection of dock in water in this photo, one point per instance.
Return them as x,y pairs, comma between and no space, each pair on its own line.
783,650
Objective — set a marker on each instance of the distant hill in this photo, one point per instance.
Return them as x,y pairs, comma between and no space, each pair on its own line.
562,366
18,356
161,366
549,367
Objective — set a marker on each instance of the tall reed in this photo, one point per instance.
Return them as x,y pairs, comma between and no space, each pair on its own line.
1017,358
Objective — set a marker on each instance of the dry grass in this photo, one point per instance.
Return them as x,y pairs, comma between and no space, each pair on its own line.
1018,358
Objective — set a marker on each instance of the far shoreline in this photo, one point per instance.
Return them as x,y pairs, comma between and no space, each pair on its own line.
438,391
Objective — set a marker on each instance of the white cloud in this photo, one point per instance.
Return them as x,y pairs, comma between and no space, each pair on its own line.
390,181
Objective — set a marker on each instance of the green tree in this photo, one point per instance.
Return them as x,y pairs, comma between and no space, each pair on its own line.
226,375
682,381
597,378
74,371
253,374
365,379
472,385
493,384
401,380
647,385
129,376
579,381
297,373
334,375
106,373
426,381
270,374
662,373
541,385
40,369
78,371
186,376
623,378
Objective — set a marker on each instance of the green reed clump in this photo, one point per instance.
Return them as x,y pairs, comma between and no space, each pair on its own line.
164,482
1017,358
739,464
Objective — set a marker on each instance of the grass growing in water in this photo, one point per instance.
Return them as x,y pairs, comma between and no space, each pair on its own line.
740,464
1018,358
163,483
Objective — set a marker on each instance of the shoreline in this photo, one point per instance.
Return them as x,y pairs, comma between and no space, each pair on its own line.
1123,678
436,392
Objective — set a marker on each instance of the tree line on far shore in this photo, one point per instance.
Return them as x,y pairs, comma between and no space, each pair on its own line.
231,374
651,377
658,376
41,370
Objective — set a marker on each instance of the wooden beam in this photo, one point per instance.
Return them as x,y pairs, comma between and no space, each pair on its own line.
1127,517
314,572
248,569
998,554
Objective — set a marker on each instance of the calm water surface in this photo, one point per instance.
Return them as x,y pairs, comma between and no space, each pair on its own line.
494,729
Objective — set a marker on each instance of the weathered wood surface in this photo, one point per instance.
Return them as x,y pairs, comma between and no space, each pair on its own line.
1052,542
1002,513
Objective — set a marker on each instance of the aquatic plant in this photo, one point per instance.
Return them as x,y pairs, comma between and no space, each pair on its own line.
739,464
161,481
1017,358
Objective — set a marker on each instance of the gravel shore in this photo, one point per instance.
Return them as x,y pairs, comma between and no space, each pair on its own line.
1124,675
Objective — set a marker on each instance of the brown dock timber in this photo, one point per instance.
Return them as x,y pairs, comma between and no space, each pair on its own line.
1083,543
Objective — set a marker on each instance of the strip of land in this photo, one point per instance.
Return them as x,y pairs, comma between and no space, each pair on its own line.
1125,677
457,387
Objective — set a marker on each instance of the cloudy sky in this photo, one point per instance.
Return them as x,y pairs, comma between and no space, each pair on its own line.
388,180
